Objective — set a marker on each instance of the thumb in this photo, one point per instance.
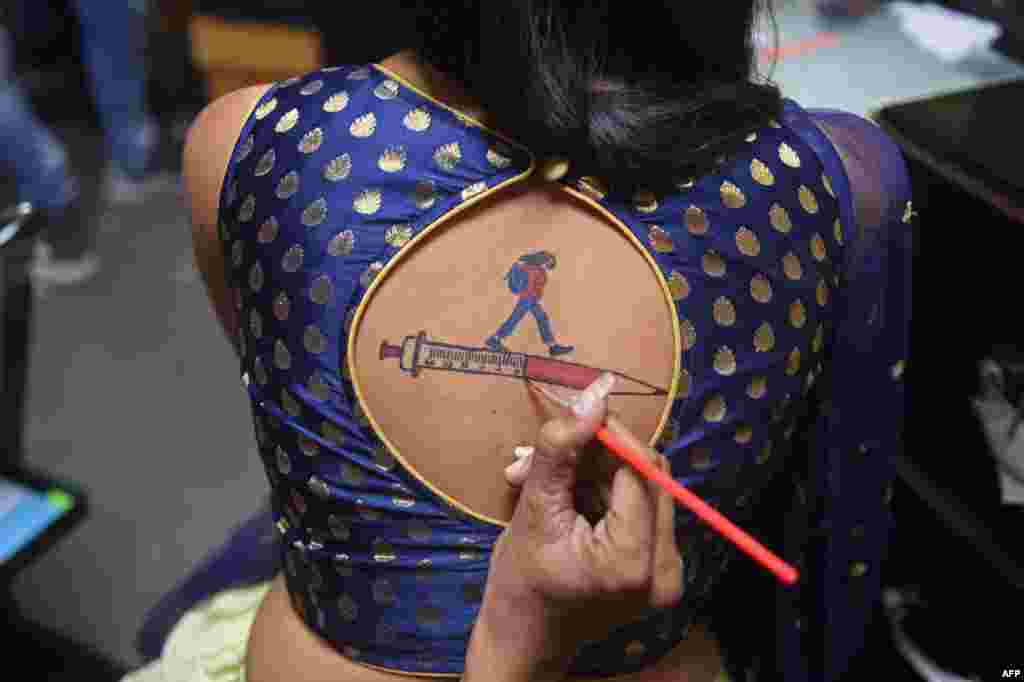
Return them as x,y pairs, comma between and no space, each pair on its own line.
552,473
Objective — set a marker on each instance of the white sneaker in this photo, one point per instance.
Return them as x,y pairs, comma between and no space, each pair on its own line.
48,270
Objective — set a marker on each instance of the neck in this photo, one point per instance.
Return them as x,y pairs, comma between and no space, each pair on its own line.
434,82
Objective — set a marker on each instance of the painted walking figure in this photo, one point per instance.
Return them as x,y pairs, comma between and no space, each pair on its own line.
527,278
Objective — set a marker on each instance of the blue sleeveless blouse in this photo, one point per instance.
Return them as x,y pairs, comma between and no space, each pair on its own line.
777,289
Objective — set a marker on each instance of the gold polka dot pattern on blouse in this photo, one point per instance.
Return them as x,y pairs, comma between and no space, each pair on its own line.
287,121
789,156
313,340
256,277
284,465
838,231
363,126
724,311
332,434
288,185
474,189
382,458
760,288
392,160
417,120
386,89
757,388
819,339
292,259
764,338
424,195
247,209
336,102
370,273
828,185
322,290
497,159
282,358
255,324
367,202
807,199
725,361
779,218
592,186
700,458
264,110
766,452
644,201
761,173
338,168
260,372
732,196
341,244
318,387
311,88
246,148
715,409
349,317
747,242
447,156
688,334
797,314
858,569
897,370
822,293
661,240
793,362
685,384
398,235
348,609
265,164
714,264
908,212
791,266
818,250
678,286
311,141
744,434
696,221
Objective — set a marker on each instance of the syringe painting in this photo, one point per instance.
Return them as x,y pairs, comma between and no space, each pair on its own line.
526,279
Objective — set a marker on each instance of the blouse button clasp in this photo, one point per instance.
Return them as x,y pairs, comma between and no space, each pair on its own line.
554,169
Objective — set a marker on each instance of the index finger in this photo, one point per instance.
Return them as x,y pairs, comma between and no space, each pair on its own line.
632,507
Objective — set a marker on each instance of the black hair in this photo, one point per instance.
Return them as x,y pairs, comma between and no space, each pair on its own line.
640,94
544,258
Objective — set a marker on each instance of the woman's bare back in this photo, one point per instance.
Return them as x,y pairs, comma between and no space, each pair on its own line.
604,307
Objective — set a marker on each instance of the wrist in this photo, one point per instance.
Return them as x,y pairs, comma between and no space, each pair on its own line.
498,656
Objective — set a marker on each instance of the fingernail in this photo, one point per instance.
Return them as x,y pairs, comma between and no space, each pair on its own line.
517,467
523,451
584,404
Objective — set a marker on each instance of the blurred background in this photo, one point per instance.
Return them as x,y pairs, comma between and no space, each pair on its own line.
118,379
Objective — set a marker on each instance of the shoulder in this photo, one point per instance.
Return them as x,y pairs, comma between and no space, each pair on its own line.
208,146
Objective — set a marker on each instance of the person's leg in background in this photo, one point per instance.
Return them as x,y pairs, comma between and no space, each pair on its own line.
42,176
114,42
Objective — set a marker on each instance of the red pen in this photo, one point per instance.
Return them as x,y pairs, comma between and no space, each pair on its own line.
743,540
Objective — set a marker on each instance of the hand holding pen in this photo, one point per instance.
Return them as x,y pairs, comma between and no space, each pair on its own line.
555,580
